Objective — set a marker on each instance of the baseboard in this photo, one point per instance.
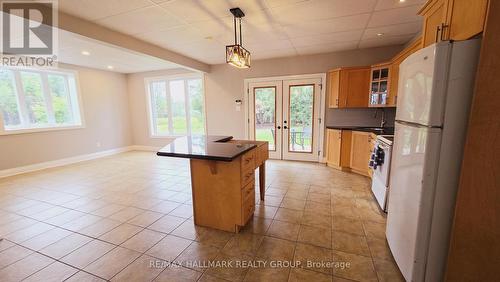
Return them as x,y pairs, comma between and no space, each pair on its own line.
72,160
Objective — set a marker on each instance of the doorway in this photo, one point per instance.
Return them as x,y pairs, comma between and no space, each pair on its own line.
287,113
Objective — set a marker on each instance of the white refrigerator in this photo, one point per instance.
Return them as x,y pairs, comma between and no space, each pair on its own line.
434,96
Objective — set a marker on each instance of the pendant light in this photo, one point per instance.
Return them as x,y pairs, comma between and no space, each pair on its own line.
236,55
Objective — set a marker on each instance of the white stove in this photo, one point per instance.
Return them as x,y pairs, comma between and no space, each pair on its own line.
380,162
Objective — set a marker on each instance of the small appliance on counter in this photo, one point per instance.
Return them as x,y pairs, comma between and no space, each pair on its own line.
380,162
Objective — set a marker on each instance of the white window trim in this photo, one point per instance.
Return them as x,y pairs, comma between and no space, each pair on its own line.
149,110
22,111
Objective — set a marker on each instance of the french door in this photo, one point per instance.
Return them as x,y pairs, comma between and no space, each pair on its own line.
286,113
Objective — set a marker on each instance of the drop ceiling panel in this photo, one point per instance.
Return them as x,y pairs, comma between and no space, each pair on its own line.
201,28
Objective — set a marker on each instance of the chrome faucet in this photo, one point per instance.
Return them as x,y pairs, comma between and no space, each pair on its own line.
382,120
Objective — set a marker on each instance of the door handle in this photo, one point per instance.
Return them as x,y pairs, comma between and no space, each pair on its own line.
443,26
285,127
279,127
438,29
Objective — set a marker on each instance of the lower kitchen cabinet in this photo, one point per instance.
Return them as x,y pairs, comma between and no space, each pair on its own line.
360,152
338,148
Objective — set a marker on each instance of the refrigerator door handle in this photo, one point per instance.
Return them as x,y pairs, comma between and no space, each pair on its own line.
402,122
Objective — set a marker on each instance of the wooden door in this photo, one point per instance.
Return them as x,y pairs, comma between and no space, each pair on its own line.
434,13
360,155
333,89
354,85
334,141
465,18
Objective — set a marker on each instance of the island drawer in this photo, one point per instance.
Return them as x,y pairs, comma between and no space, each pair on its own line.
248,209
248,192
247,176
248,160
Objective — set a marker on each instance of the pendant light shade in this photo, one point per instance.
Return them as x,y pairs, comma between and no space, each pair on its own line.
236,55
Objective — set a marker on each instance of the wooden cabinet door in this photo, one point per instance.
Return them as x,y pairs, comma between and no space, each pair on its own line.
434,13
465,18
360,154
354,86
334,141
333,89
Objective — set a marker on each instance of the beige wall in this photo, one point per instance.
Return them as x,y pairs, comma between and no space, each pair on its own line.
224,84
107,121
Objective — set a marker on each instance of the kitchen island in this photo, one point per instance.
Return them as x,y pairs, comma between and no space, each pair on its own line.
222,177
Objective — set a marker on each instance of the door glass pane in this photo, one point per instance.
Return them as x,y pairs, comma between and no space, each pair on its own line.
8,100
178,107
265,115
195,90
35,100
61,102
159,107
301,118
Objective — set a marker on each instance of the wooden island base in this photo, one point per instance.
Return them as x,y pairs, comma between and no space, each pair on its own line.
224,192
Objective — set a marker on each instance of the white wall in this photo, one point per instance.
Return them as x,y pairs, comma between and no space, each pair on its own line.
107,119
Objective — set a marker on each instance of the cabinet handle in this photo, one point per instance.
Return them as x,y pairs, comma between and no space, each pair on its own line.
443,26
337,102
438,29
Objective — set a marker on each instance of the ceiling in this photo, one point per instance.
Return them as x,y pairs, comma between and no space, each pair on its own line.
105,56
271,28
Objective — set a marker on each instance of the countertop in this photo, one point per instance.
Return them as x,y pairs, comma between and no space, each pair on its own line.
376,130
206,147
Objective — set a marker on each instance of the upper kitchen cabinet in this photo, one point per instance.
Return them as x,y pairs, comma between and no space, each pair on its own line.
347,87
379,85
392,97
452,19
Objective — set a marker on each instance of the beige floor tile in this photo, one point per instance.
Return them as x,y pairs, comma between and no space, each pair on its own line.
298,194
143,240
229,267
65,246
314,258
100,227
13,254
113,262
45,239
289,215
88,253
274,248
25,267
243,244
355,267
184,211
55,272
188,230
350,243
387,271
284,230
197,255
374,229
120,234
166,224
214,237
321,237
319,198
81,222
313,219
300,275
293,204
178,273
126,214
379,248
28,232
347,225
5,244
169,248
108,210
272,201
142,269
318,208
84,277
52,212
265,274
64,217
265,211
165,207
257,225
146,218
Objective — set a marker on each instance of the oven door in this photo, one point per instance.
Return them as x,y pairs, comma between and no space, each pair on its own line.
380,180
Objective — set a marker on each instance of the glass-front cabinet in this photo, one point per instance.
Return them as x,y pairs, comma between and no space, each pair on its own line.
379,85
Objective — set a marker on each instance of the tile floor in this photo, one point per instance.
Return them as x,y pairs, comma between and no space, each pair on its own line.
127,217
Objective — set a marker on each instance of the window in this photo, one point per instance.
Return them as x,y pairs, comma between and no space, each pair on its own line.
34,100
176,106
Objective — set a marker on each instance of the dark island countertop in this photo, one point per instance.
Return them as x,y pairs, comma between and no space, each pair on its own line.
376,130
206,147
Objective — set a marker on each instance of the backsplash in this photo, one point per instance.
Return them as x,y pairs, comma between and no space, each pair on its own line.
359,117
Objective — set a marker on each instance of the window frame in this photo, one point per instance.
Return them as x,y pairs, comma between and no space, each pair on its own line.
20,96
167,79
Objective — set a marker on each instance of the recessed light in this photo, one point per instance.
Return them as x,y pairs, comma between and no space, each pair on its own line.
86,53
402,1
110,67
380,34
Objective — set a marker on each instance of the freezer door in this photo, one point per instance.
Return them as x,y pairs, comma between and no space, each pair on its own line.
415,157
422,85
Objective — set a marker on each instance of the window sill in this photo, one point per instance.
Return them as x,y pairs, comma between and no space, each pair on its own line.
41,129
